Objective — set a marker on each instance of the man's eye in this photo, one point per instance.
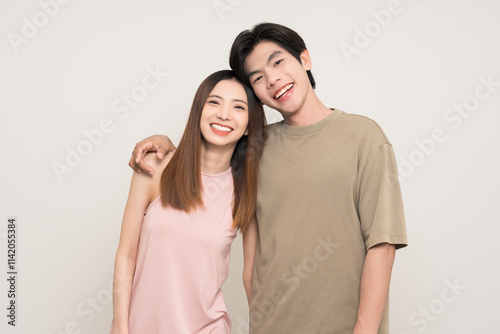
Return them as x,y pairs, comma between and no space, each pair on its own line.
278,62
257,79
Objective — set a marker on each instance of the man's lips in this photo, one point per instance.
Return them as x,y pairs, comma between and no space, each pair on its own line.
282,91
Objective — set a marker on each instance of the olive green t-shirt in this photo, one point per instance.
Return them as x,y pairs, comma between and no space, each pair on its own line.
327,192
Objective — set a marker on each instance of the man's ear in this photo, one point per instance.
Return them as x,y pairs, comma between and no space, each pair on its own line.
305,59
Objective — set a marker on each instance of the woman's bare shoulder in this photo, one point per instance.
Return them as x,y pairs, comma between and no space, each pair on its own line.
158,164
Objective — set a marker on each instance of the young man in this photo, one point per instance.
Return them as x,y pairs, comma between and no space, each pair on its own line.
329,213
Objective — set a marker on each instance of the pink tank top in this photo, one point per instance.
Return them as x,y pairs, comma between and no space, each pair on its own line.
182,261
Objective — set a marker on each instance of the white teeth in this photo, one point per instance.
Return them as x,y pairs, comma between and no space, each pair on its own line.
221,128
283,91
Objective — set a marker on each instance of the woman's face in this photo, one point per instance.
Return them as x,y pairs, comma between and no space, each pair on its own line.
224,118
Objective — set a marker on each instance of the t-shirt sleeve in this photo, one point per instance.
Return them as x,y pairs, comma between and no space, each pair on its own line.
380,205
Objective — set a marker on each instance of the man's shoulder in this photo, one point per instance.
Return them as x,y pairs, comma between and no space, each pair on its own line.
275,125
274,128
360,121
342,123
363,127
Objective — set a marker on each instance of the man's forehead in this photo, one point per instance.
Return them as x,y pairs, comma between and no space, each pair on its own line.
263,52
266,47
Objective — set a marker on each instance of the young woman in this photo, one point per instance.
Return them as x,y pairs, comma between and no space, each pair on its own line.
178,225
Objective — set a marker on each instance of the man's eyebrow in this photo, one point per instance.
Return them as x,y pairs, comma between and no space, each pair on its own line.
272,56
249,75
269,59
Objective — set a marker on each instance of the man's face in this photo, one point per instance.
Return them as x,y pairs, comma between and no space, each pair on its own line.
279,80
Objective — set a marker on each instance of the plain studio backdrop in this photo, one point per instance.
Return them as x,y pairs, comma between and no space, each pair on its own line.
83,81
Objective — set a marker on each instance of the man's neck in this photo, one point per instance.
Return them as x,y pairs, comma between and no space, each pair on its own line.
312,111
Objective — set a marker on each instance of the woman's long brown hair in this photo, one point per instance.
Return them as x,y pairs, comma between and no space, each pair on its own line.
181,186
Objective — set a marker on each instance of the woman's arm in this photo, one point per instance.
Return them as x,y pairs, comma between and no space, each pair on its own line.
137,203
144,189
249,243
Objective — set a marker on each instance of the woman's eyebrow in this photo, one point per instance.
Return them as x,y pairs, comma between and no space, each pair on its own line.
236,100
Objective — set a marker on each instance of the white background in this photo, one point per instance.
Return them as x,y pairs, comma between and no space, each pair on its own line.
64,77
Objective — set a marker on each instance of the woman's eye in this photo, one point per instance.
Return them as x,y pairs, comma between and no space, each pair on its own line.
240,107
213,102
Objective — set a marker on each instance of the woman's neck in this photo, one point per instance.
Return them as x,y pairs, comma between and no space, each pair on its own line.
215,160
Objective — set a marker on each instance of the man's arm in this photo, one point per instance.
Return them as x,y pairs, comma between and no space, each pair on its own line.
375,281
158,143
